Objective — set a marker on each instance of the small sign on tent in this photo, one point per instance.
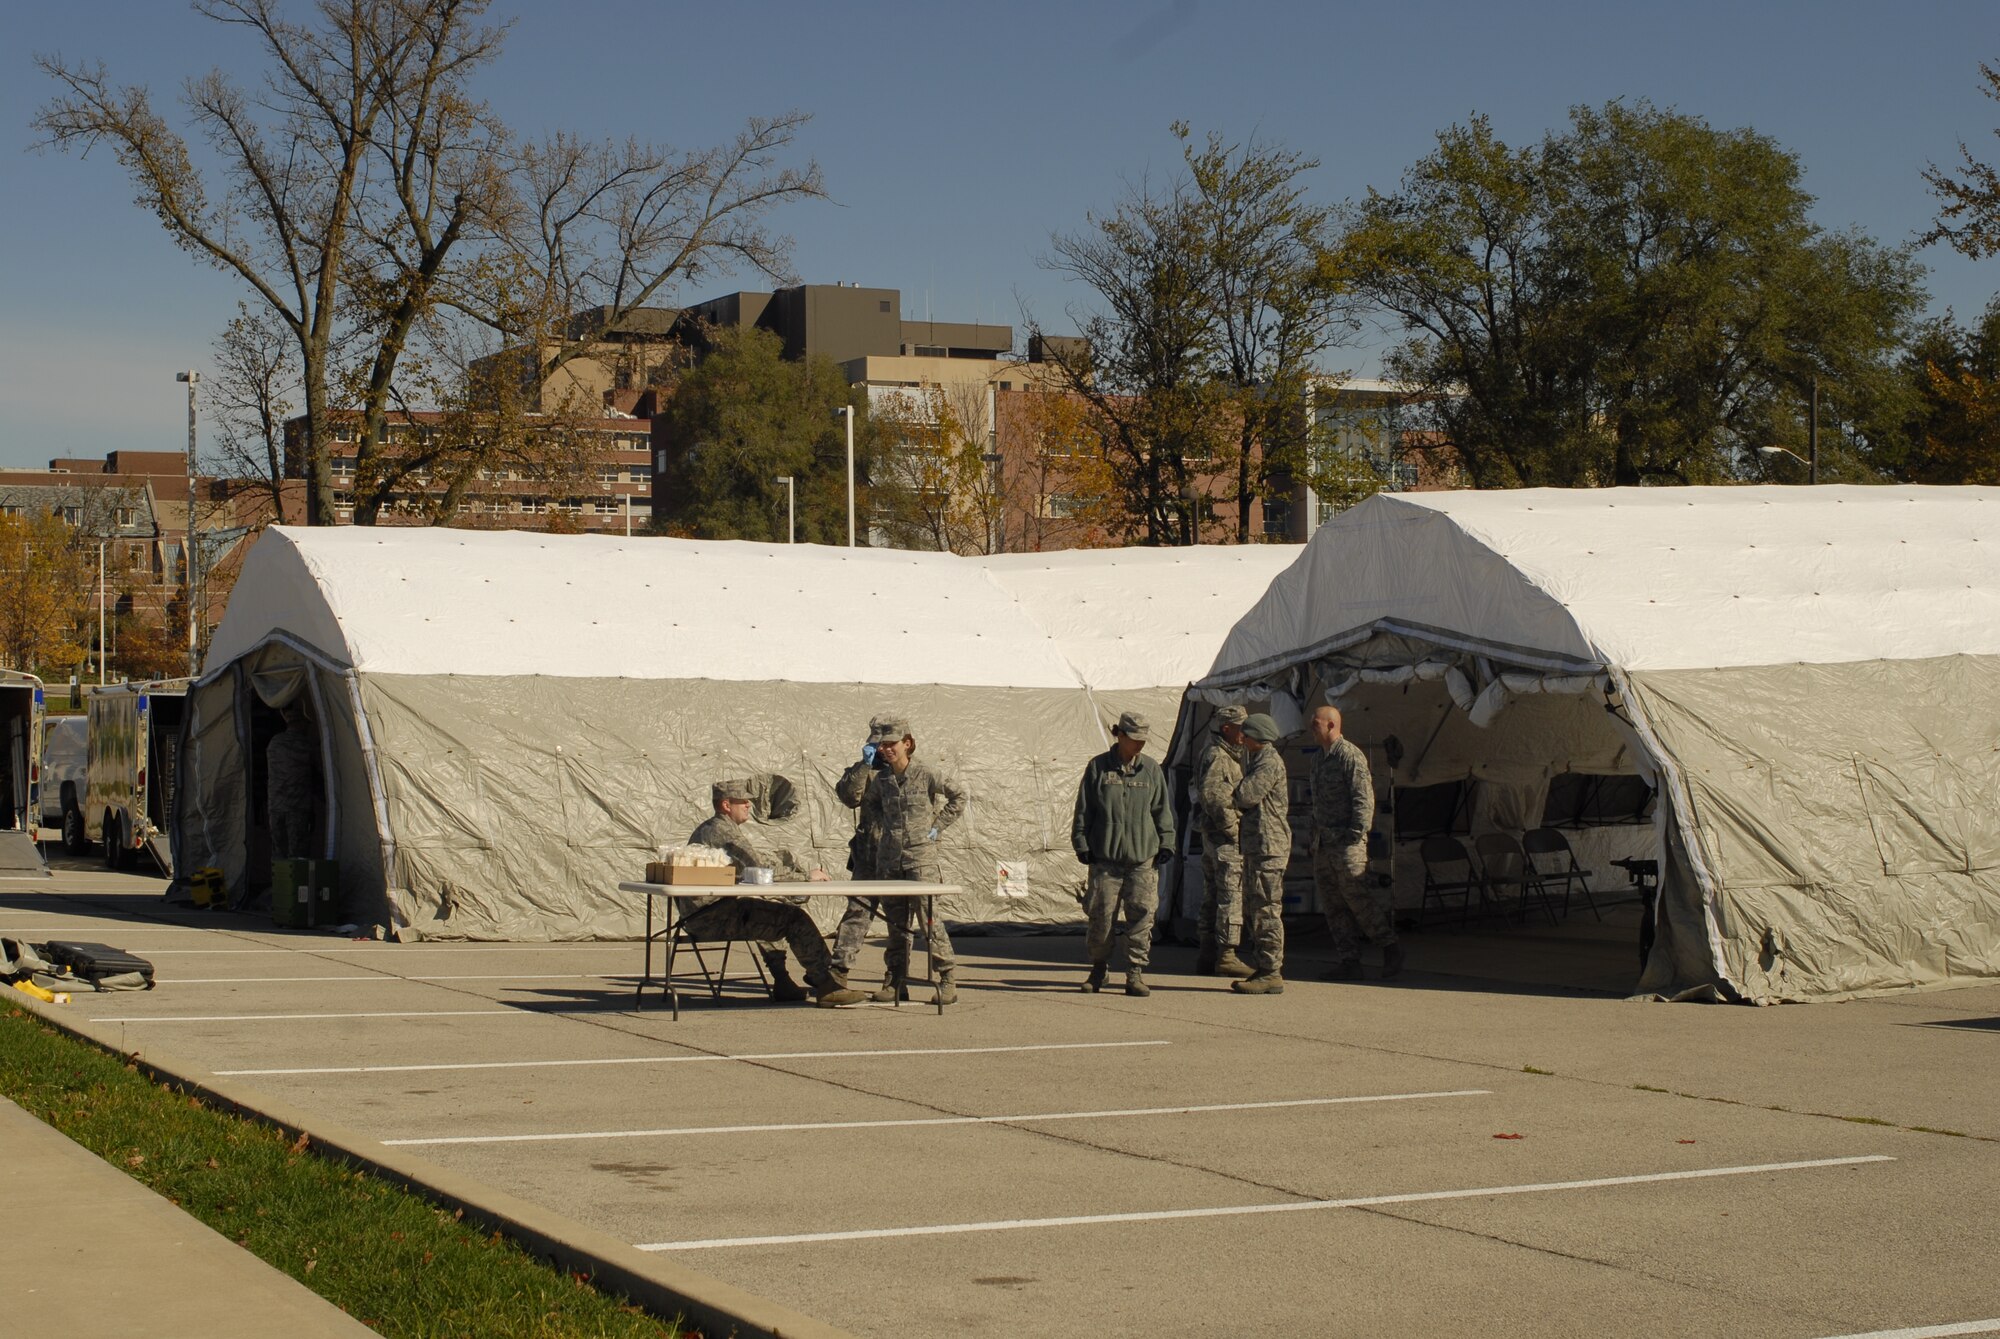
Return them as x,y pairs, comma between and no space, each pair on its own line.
1013,879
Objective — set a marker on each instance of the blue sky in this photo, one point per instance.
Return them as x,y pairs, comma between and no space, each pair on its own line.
956,138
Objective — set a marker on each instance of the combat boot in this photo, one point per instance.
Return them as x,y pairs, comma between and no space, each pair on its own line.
1228,964
947,986
1262,983
1135,984
895,986
832,991
1205,958
1095,981
783,988
1392,961
1347,969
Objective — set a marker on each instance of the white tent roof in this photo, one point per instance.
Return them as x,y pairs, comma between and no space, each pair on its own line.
1652,578
436,601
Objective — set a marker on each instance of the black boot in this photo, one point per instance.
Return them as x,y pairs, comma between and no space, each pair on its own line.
1095,981
783,988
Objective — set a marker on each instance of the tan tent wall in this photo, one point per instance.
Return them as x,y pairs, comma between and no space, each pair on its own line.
515,805
1845,819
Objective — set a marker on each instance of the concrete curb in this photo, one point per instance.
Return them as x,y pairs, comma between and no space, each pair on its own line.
719,1310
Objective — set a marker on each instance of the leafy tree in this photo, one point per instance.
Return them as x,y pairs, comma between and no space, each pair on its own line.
46,567
1952,431
1638,298
934,486
1969,215
740,419
1059,484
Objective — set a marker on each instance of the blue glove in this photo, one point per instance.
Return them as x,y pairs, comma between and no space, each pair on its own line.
933,835
868,754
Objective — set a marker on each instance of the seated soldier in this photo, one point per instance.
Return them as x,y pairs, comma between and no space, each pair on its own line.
766,921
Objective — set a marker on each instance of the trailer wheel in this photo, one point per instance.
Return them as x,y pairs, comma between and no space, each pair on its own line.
114,842
73,838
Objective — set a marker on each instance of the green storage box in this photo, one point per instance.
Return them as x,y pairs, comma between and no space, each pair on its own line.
305,893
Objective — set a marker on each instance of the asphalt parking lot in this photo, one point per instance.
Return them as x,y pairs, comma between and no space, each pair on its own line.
1495,1144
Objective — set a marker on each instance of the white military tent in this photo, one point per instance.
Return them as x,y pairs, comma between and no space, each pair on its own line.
1810,675
510,722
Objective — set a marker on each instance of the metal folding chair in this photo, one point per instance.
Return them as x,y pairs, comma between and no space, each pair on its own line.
1448,873
1503,867
718,976
1552,866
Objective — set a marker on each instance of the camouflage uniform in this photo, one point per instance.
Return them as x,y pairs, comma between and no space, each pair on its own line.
770,923
852,789
1216,775
1123,825
1343,799
1263,798
289,783
902,812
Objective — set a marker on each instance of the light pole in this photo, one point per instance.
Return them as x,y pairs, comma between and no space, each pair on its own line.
193,380
103,656
846,411
1812,437
791,509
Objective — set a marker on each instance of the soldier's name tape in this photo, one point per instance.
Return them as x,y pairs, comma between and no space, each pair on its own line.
902,1122
698,1059
1245,1210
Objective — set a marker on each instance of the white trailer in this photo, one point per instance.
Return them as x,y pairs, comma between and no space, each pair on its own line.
134,744
21,707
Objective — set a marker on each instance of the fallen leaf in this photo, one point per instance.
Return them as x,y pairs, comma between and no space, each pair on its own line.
135,1160
303,1142
311,1265
211,1164
1510,1136
1683,1141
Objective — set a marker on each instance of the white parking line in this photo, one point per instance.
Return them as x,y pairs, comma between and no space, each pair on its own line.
696,1059
289,1018
381,978
1242,1210
377,946
1930,1331
141,927
1034,1117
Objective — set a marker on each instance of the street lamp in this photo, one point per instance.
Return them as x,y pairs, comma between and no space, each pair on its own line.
193,380
846,411
791,510
1781,451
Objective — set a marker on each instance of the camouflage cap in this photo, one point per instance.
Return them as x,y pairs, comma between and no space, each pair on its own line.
1262,729
729,790
1133,726
888,729
1230,715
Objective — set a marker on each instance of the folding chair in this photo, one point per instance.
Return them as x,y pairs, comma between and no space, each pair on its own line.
1552,865
1503,867
1448,873
717,977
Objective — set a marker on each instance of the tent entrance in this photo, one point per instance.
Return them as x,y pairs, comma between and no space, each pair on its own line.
20,811
1556,763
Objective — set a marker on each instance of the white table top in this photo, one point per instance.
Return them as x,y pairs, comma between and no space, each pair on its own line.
824,888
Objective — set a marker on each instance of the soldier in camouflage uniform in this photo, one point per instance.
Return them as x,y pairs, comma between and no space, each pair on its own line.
1123,828
852,789
902,809
1343,800
290,784
1263,800
1216,774
766,922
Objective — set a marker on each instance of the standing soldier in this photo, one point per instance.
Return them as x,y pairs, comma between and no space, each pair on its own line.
852,789
766,921
1263,798
902,809
1123,830
1216,775
1343,797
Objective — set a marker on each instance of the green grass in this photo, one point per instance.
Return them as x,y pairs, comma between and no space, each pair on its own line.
1530,1069
379,1252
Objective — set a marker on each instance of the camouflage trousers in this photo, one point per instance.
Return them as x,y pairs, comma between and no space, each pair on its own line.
1354,911
1264,911
769,926
1113,888
291,833
852,933
903,912
1221,891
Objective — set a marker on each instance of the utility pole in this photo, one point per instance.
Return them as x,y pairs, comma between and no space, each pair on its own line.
193,380
1812,437
791,509
846,411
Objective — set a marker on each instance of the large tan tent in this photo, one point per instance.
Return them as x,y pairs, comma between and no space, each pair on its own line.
1808,678
509,723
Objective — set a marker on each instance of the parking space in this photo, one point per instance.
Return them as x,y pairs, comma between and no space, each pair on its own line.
1486,1146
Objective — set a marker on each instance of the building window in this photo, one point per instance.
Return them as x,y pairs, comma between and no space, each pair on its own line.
73,515
124,517
608,474
642,474
605,506
343,467
343,433
883,305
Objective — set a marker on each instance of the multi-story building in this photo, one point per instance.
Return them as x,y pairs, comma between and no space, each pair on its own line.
554,472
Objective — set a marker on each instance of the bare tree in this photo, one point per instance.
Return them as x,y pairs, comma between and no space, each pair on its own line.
281,211
250,396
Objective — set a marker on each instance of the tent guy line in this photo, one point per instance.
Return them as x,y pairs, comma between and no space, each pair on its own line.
1022,1119
1245,1210
694,1059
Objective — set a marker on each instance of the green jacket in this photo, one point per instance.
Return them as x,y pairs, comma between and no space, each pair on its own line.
1122,813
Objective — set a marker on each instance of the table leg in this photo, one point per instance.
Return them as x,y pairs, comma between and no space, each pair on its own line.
673,934
639,995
